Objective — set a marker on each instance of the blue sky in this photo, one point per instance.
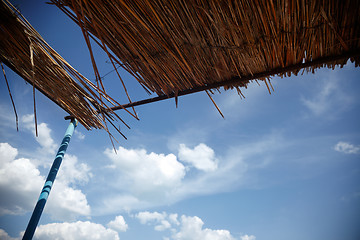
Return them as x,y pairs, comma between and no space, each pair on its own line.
279,166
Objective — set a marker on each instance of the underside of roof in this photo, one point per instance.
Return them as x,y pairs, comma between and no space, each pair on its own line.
178,47
172,46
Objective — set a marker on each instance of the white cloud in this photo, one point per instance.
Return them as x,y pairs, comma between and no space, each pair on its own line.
146,217
173,218
75,231
79,230
44,134
66,203
21,183
73,172
154,218
147,174
5,236
141,183
118,224
192,229
163,226
7,153
201,157
347,148
247,237
146,179
135,174
229,175
189,228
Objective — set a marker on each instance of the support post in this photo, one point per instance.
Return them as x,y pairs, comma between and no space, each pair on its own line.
35,217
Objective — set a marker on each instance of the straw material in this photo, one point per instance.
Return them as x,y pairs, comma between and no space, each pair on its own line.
26,52
175,45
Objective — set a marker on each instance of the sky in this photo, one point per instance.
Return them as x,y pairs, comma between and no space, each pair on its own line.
278,167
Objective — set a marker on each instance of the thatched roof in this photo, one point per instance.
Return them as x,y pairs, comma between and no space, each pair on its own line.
171,46
24,51
175,47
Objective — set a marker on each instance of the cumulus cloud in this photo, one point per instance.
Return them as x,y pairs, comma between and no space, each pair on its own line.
118,224
5,236
141,183
347,148
201,157
154,218
142,179
44,134
73,172
188,228
150,170
173,218
146,217
7,153
151,179
247,237
75,231
69,231
21,182
135,172
147,175
192,229
164,224
66,203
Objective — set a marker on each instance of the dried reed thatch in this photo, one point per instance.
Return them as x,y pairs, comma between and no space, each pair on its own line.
23,50
176,47
171,46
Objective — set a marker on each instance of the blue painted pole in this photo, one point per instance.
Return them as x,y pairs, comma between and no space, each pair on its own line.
35,217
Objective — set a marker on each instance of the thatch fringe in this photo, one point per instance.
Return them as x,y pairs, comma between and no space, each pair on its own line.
171,46
23,50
